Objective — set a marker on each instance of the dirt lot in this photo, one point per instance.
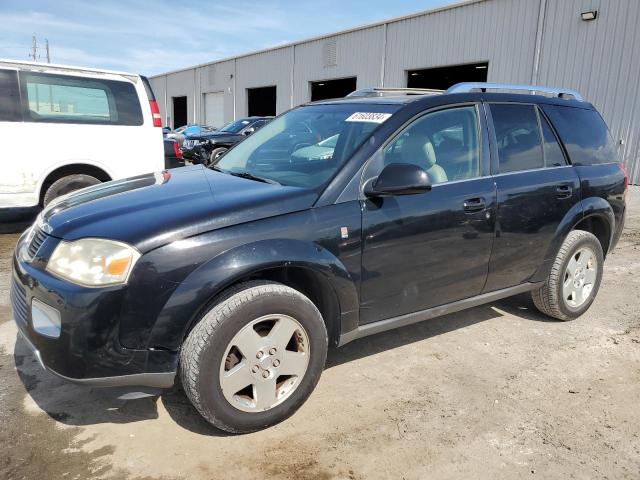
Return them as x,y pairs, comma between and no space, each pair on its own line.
498,391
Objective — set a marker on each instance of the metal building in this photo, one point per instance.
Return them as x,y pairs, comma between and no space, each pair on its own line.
592,46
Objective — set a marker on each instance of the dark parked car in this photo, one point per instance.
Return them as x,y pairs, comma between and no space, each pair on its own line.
172,154
243,274
206,147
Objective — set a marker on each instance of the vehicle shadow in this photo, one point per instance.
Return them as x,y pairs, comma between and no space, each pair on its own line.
79,405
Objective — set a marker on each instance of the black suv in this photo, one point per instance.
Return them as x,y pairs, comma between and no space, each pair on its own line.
206,147
240,276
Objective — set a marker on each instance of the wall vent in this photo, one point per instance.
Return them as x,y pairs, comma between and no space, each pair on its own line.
329,55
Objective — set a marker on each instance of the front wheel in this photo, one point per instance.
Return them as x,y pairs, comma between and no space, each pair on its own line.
216,153
255,357
574,279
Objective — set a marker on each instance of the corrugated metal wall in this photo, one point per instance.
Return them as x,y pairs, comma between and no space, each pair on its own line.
357,54
600,58
502,32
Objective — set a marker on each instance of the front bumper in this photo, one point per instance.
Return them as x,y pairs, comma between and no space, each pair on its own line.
88,350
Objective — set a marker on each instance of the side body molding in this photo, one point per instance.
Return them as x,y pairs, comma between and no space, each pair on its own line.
203,284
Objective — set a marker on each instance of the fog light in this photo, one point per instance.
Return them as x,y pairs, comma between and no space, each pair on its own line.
45,319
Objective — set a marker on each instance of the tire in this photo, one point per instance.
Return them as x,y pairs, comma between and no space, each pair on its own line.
551,299
215,154
206,359
66,185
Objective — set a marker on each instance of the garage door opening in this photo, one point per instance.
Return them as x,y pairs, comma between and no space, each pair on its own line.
214,109
261,101
179,111
442,78
332,88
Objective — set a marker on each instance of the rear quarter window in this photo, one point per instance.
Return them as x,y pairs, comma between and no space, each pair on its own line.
67,99
9,96
584,134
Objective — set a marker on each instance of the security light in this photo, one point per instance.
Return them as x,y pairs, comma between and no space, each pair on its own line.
588,16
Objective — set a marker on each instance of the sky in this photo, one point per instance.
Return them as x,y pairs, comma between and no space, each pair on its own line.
156,36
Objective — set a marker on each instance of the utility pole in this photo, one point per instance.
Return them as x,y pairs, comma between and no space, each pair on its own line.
47,47
34,48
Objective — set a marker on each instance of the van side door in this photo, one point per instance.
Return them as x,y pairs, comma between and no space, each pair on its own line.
536,188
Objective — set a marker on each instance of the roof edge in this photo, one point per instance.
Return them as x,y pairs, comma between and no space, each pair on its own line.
451,6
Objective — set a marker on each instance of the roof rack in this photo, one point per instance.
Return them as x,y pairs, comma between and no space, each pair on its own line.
382,92
470,86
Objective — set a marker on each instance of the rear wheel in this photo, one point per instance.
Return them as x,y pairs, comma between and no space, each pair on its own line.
68,184
574,279
255,357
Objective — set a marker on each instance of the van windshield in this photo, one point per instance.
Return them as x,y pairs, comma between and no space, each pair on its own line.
278,152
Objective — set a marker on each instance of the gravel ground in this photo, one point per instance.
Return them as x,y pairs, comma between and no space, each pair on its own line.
497,391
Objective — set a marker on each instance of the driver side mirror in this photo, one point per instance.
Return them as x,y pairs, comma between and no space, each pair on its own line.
248,131
398,179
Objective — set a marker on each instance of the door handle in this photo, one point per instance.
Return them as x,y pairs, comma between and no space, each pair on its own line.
474,205
564,191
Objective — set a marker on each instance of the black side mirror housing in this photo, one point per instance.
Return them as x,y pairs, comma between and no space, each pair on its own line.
398,179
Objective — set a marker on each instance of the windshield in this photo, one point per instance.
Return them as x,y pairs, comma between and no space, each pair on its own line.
277,151
234,127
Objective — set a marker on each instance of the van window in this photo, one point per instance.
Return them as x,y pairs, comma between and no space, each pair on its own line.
9,96
584,134
517,137
68,99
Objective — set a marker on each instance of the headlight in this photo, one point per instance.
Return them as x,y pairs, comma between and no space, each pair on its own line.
93,262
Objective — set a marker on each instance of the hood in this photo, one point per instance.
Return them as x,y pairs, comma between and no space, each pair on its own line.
155,209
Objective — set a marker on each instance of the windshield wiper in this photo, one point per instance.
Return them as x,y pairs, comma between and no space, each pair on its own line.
244,174
251,176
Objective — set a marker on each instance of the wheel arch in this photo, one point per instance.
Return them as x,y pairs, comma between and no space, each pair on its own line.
593,215
71,169
304,266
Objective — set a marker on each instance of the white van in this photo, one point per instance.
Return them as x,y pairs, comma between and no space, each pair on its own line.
65,128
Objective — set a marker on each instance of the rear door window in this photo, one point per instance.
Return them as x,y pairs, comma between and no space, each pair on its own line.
9,96
553,154
584,134
517,137
67,99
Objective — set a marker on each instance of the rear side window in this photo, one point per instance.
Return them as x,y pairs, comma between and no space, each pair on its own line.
517,137
67,99
553,155
9,96
584,134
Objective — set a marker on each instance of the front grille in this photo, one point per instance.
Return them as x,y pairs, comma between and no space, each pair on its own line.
19,301
38,237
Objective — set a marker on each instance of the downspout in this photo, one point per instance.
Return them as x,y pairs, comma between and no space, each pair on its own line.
235,70
166,110
537,57
384,56
195,72
293,69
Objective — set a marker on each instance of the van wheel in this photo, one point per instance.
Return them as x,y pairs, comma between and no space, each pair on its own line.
255,357
68,184
574,279
215,154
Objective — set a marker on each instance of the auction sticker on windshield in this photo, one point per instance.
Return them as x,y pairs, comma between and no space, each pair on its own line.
371,117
